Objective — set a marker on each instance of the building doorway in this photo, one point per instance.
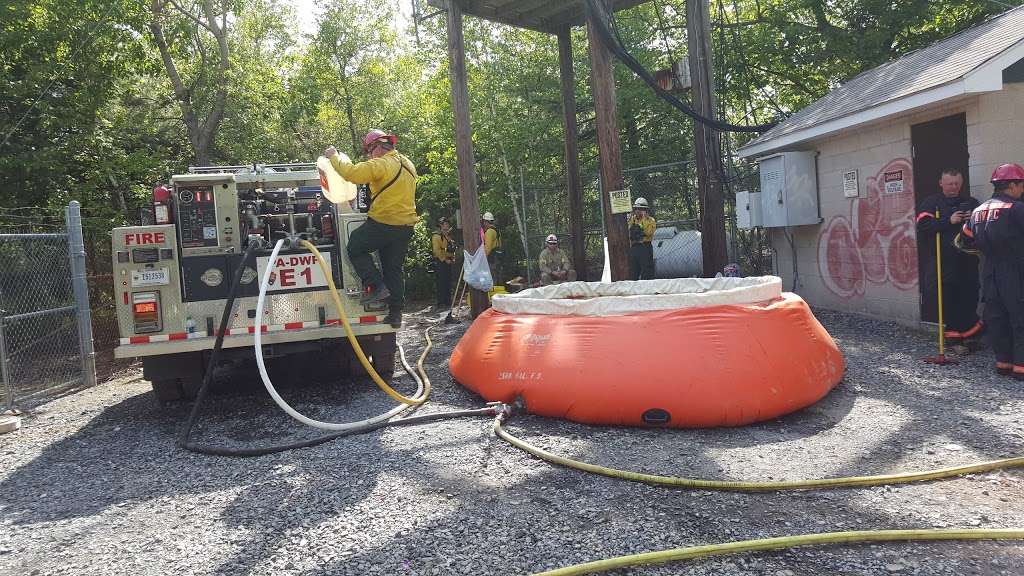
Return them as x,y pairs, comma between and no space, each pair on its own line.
937,145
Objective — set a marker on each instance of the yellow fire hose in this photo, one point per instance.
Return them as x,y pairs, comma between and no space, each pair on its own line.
713,549
741,486
355,343
853,537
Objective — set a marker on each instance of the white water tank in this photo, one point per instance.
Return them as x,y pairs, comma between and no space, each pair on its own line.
677,253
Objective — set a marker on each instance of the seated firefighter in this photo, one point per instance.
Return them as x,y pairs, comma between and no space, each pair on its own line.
555,266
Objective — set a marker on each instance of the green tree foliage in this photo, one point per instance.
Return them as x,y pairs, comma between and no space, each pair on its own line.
61,66
91,109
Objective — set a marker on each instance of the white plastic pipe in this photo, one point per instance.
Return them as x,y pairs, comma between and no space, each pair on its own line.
264,283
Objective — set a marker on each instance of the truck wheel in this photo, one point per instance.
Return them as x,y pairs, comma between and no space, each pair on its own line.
384,363
167,390
174,376
190,388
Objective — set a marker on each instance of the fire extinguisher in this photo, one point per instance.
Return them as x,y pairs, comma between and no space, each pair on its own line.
162,204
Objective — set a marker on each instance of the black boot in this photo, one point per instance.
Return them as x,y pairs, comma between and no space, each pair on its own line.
373,294
394,318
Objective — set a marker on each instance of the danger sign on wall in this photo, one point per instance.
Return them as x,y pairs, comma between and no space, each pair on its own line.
294,272
893,182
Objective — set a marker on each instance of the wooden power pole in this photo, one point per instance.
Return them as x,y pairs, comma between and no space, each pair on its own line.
707,146
464,146
602,84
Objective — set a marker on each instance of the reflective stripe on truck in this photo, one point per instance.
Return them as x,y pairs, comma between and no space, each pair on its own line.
237,331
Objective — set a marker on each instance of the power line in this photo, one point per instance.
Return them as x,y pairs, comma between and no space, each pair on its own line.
601,24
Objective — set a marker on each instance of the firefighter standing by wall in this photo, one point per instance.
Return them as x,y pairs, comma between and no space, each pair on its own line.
554,263
443,248
996,227
389,223
959,270
641,229
491,240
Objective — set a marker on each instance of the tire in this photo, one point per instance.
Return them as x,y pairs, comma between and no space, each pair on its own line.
175,376
190,388
384,363
167,390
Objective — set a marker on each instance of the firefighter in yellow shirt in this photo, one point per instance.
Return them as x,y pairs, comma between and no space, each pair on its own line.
492,244
641,252
443,248
389,223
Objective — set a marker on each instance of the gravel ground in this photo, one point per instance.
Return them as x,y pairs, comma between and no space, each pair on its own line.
93,483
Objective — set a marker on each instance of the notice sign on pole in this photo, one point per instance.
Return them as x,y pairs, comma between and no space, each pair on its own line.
850,184
621,201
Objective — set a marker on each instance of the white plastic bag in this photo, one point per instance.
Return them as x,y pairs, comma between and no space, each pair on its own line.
606,274
477,273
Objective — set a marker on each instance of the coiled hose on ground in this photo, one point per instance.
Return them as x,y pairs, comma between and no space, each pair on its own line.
729,548
742,486
502,413
376,423
753,486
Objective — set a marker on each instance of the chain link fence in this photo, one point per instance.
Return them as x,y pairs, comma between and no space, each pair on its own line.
100,280
45,335
671,190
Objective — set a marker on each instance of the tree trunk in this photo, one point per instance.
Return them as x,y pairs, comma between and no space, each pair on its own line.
510,188
200,134
357,146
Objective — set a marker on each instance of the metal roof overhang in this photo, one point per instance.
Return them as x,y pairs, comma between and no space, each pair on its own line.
987,77
549,16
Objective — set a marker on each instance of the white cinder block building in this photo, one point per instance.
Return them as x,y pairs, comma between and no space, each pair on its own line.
879,143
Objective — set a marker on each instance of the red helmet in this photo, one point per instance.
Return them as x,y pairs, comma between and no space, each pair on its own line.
1008,172
375,135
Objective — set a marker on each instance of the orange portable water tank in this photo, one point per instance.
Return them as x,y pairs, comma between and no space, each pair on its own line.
689,352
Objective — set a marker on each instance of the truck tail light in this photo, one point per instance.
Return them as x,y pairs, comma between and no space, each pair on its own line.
146,312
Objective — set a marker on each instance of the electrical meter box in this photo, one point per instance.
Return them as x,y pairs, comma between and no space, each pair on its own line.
789,190
748,210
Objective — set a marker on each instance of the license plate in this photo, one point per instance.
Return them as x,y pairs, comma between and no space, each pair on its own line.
151,277
293,272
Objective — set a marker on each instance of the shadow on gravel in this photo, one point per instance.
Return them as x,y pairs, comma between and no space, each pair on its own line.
126,453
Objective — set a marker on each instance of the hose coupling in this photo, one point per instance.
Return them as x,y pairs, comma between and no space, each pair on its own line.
500,410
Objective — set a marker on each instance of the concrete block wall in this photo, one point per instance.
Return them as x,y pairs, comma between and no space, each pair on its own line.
863,257
995,135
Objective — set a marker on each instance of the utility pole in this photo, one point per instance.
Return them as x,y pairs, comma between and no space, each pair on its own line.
707,146
468,201
602,84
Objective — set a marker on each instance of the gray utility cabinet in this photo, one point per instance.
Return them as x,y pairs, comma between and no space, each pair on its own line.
789,189
748,210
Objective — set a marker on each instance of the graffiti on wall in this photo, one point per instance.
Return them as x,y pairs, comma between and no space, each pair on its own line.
875,243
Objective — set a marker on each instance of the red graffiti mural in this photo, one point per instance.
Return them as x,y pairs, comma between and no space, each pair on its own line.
875,244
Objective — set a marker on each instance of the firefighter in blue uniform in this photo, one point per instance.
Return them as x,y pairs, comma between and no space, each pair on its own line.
959,269
996,227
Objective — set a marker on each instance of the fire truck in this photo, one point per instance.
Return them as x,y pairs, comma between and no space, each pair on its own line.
172,278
